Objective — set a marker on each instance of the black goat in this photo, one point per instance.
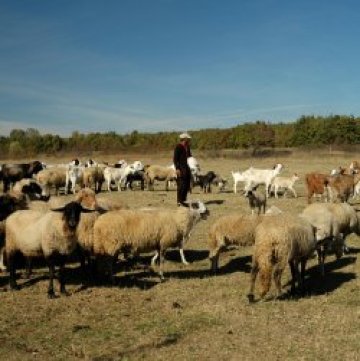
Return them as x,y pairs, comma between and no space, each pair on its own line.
12,173
204,181
136,176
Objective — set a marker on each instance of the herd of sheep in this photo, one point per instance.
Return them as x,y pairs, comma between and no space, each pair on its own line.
98,229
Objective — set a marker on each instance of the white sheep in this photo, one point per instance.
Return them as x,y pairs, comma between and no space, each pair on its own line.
145,231
280,240
343,222
327,232
51,234
285,183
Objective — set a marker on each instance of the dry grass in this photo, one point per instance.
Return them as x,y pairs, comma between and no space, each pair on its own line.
193,315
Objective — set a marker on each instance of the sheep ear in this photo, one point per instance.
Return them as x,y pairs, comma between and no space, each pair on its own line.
61,209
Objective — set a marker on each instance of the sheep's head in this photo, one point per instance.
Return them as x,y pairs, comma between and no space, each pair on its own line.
34,191
86,197
200,208
71,214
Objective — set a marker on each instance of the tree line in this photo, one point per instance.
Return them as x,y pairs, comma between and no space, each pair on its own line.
307,131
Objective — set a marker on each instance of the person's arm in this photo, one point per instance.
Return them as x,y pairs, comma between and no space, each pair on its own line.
176,159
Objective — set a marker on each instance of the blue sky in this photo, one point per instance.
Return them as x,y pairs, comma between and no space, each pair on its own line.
154,65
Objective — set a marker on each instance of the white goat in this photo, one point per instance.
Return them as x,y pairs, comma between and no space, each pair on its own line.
74,176
284,182
255,177
119,175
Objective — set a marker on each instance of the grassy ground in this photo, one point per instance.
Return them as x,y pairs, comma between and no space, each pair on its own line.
193,315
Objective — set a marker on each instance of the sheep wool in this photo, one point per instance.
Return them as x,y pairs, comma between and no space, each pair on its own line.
279,240
143,230
236,229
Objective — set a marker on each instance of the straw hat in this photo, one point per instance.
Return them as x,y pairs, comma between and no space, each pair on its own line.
184,136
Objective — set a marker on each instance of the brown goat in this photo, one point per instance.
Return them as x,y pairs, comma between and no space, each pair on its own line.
316,184
342,185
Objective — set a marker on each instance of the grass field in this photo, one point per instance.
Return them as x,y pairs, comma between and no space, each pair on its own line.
192,315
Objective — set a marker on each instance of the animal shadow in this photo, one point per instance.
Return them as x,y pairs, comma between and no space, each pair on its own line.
214,201
316,285
238,264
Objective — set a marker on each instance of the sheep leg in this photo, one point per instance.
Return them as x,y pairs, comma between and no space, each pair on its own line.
12,272
154,259
294,275
321,259
62,276
302,275
28,268
277,279
254,272
214,259
2,266
161,266
182,255
51,265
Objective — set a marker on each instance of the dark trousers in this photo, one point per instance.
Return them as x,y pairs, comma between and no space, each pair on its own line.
183,187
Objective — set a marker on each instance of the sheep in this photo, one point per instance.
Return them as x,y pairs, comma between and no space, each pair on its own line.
18,198
51,234
256,200
236,229
158,172
280,240
52,177
346,218
86,197
9,203
144,231
284,182
94,177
